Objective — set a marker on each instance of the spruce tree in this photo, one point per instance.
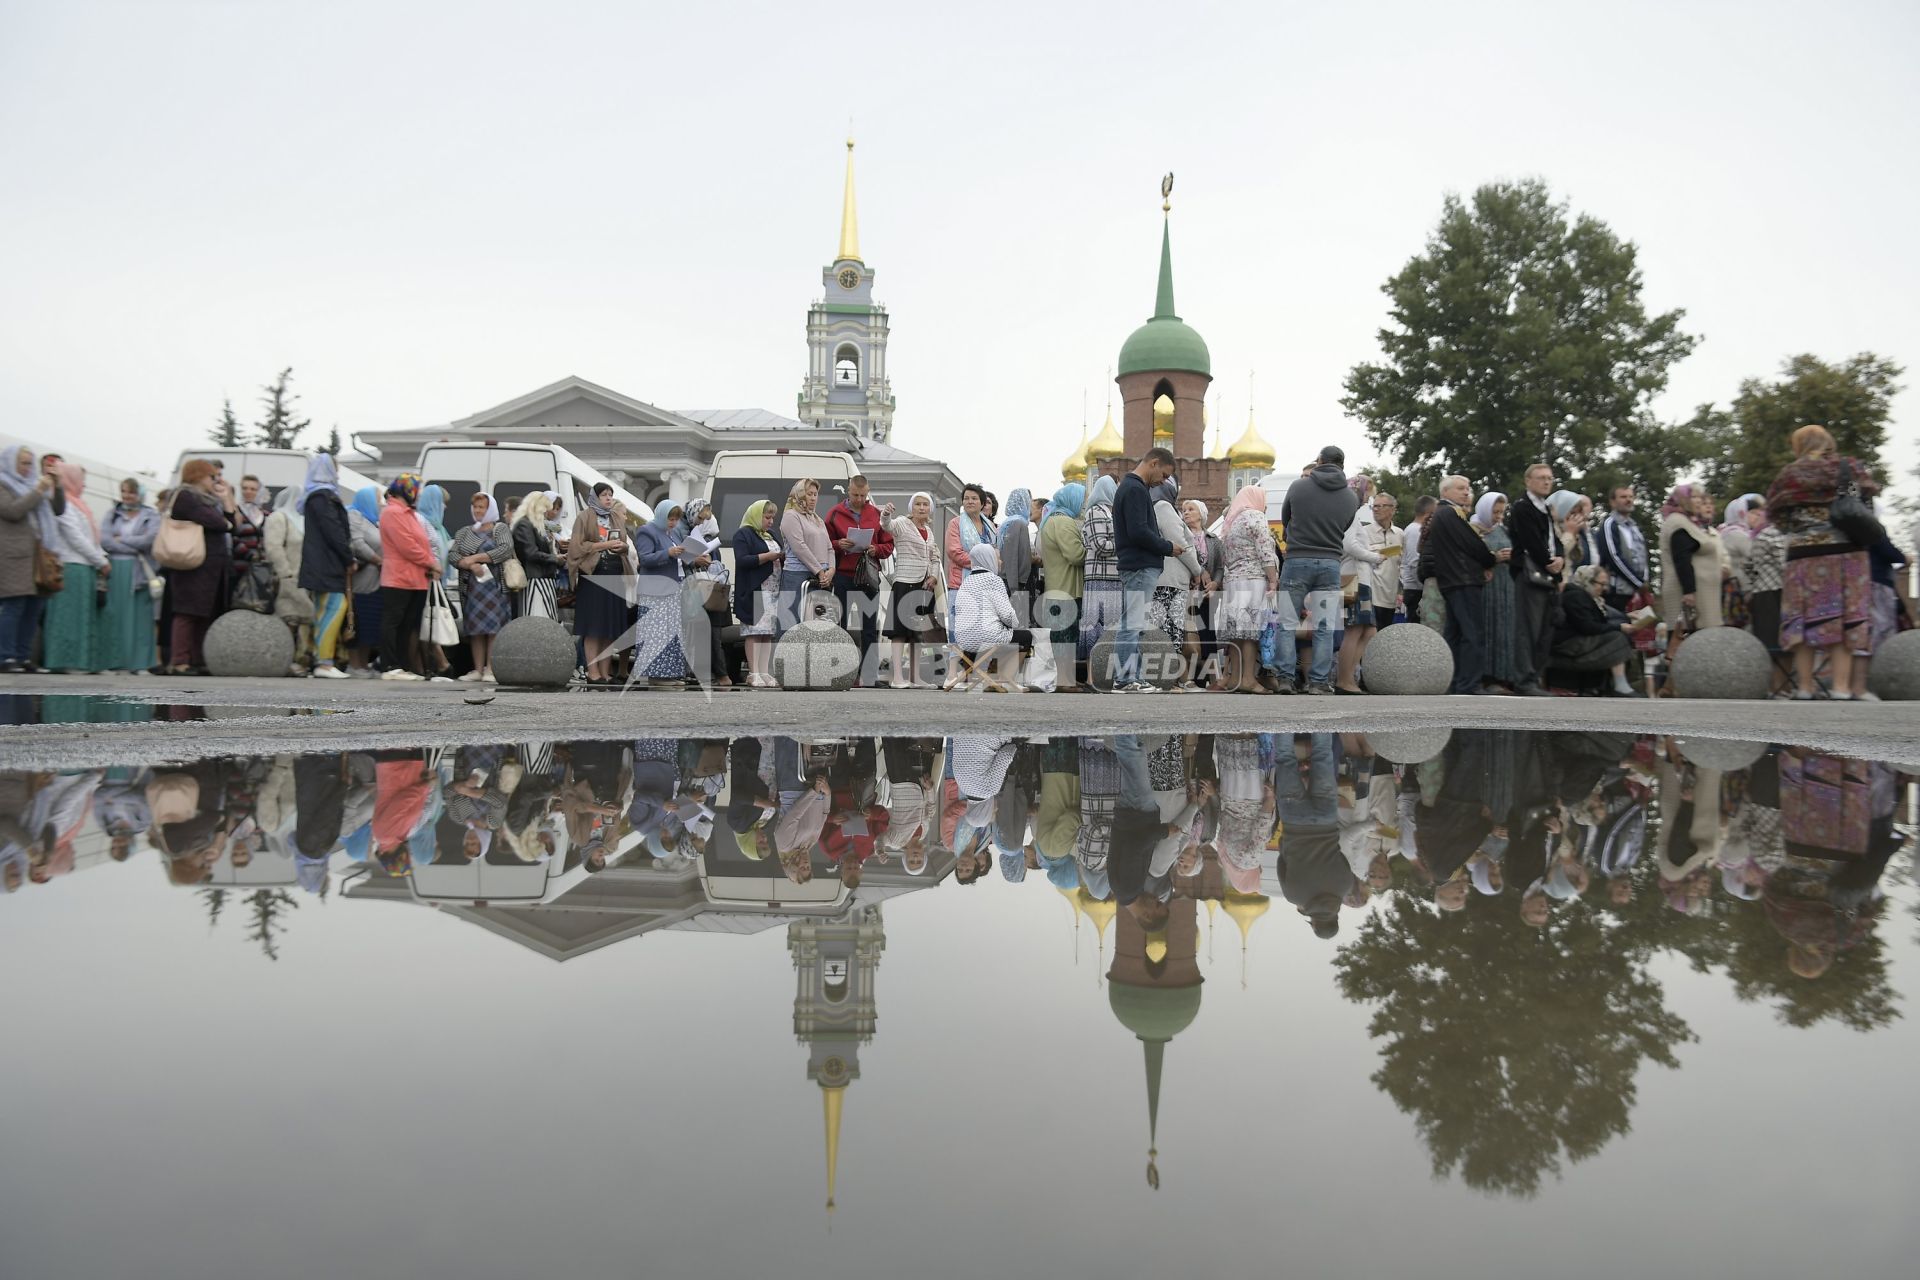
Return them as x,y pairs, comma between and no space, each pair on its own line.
279,429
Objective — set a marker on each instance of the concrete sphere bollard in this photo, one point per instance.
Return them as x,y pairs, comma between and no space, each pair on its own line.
1411,746
1408,659
1161,662
816,655
1729,755
533,652
1895,676
1722,662
244,643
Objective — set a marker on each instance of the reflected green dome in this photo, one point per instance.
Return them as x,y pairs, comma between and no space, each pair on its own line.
1154,1013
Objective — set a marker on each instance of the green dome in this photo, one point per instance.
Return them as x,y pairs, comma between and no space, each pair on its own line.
1154,1013
1165,343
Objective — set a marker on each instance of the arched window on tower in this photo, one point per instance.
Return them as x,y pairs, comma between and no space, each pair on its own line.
846,367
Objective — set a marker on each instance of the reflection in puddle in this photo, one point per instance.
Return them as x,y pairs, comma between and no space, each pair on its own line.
95,708
1499,900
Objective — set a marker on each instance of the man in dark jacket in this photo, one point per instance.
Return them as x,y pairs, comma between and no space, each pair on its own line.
1318,508
859,608
1314,874
1459,561
1536,569
1139,550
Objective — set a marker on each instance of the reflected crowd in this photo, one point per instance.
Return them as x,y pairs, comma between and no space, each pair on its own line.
1497,897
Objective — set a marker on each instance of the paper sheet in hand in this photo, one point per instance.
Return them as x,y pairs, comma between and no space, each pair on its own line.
860,538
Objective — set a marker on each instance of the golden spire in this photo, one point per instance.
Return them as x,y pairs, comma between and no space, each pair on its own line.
1108,445
831,1097
849,220
1219,451
1250,451
1074,468
1073,904
1101,912
1245,908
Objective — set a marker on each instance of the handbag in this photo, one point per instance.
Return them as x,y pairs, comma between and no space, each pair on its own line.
173,797
1849,512
348,631
180,544
866,576
48,575
513,574
255,588
440,622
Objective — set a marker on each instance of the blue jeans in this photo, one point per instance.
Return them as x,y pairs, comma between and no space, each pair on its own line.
1136,592
1309,587
1136,792
1307,794
19,624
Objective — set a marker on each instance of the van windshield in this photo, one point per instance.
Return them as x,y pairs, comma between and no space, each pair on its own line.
731,498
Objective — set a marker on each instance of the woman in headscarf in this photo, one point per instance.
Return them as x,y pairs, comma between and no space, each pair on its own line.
1179,573
1370,569
965,532
1013,547
1573,524
1826,602
707,583
1100,592
1063,559
1212,555
983,617
363,539
430,508
72,613
408,566
1252,576
756,564
1590,636
283,545
663,556
126,624
808,565
479,550
916,563
26,525
1690,559
325,562
600,564
199,594
533,548
1744,516
1498,604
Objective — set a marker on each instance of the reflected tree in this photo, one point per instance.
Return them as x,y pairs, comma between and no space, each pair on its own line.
266,906
1514,1049
215,900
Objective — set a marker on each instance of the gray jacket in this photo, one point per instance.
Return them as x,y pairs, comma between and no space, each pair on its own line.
1318,509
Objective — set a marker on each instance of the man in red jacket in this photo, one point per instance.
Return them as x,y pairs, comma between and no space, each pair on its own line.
859,606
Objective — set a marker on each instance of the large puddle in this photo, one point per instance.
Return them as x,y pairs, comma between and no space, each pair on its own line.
1528,1004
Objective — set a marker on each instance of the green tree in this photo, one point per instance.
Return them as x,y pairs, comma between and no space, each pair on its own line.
333,442
226,432
1852,399
279,429
1513,1049
1520,335
215,899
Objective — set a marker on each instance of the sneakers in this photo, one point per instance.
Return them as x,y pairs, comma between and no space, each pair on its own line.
1136,686
400,675
440,680
1320,690
327,671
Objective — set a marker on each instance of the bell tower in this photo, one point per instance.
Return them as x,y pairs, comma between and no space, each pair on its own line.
836,962
846,380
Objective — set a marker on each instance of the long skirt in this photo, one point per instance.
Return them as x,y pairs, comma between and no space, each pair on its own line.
1433,607
657,653
126,624
1503,631
1167,610
485,607
537,601
598,613
72,622
1592,653
1763,608
1241,613
367,618
1827,600
1099,612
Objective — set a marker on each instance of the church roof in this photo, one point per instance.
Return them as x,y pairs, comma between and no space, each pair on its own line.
742,419
1165,342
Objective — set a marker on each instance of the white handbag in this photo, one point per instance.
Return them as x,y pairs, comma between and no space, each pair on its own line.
440,622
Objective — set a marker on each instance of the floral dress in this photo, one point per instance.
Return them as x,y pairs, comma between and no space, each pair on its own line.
1250,560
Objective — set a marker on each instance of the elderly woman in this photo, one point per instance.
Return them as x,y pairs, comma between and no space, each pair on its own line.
326,561
1502,622
478,551
600,567
1100,592
1826,600
1573,527
282,545
27,500
1063,559
1212,555
1370,554
809,554
72,642
983,616
363,534
1744,516
662,555
1691,559
1592,637
126,623
1179,573
707,583
916,565
199,593
533,548
756,561
1252,576
408,567
1013,548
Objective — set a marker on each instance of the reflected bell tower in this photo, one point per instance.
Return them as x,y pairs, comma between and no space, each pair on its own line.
835,963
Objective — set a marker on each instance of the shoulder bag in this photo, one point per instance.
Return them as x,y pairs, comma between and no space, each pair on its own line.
1849,512
513,574
440,621
180,544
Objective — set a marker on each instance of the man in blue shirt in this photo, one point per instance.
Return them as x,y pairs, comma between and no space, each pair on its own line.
1139,551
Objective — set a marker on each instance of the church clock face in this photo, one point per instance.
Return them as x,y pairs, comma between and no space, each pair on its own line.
849,278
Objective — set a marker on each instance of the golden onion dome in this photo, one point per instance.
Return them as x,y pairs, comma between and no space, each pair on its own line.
1108,445
1251,450
1163,418
1244,909
1075,466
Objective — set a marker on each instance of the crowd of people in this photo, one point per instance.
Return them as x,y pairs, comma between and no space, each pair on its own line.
1122,586
1494,820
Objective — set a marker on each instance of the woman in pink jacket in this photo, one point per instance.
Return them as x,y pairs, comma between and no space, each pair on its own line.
407,564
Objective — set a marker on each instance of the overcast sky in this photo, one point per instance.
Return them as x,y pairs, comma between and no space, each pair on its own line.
427,209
